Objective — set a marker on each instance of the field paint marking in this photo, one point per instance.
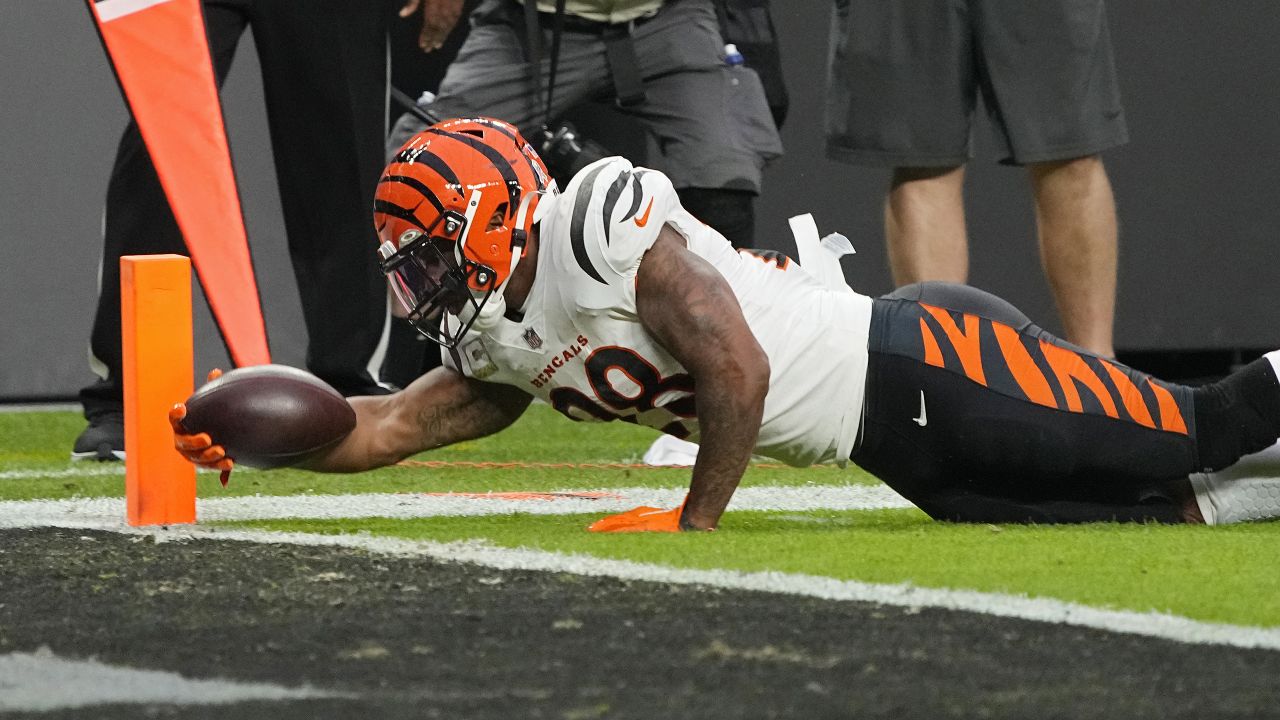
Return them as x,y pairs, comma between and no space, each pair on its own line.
86,471
43,681
39,407
109,512
484,554
88,468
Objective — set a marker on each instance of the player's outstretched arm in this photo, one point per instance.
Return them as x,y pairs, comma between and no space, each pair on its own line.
689,307
439,408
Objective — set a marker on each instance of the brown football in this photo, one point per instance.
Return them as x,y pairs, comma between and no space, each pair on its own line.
269,416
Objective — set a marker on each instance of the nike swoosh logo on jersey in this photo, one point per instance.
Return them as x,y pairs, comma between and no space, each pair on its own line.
924,418
642,220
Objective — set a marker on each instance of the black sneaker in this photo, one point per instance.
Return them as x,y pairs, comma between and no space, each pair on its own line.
103,440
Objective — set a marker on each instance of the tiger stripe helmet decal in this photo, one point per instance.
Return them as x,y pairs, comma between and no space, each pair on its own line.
466,188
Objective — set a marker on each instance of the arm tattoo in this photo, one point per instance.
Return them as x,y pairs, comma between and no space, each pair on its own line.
690,309
473,412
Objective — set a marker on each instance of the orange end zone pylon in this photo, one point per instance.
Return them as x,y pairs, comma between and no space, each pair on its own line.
155,307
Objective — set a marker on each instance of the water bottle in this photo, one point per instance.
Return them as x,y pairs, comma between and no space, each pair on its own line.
732,57
734,60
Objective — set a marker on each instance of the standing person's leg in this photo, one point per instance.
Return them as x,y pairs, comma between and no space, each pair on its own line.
1049,79
324,75
1076,216
924,225
977,415
901,94
137,221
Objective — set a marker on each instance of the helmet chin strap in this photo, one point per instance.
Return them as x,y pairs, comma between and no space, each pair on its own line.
495,306
546,201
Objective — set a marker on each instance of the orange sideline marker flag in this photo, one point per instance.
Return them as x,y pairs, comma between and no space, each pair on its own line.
155,310
160,53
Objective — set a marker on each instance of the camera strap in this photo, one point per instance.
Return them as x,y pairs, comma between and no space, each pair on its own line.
557,32
533,38
620,50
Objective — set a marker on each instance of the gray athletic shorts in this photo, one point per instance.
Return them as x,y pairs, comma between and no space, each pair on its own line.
711,123
905,77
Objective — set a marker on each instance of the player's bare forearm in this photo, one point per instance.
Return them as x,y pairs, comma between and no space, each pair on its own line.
689,307
729,424
438,409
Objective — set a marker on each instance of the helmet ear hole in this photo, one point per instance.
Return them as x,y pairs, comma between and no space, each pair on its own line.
498,218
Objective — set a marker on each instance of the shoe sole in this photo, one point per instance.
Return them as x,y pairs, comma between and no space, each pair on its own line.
102,454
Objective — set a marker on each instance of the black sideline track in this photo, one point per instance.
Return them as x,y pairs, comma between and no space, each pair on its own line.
423,639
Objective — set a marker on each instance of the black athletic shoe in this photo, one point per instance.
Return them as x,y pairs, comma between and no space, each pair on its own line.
103,440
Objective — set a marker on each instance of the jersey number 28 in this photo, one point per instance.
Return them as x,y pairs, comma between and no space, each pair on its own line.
641,394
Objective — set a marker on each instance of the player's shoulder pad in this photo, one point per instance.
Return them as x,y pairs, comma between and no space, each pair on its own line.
613,214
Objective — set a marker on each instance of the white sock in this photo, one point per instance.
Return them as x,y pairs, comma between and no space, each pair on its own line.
1200,484
1248,490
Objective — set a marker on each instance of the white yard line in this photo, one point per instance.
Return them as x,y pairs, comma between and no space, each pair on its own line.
42,681
1150,624
39,407
89,468
79,470
108,513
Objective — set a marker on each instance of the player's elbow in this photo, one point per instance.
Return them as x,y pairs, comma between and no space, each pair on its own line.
750,371
759,376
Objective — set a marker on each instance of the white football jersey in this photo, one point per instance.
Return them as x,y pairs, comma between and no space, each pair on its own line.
581,348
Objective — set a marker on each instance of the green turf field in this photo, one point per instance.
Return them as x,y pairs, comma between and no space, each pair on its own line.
1221,574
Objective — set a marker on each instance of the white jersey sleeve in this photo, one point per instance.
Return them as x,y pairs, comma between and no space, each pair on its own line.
611,213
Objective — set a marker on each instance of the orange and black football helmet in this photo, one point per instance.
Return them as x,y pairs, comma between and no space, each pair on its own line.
453,211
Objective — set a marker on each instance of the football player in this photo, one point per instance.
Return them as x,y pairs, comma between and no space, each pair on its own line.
610,302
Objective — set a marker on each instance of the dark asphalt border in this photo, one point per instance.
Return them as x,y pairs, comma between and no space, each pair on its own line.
412,637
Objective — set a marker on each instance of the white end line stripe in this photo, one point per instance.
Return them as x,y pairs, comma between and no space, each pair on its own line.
479,552
1150,624
107,511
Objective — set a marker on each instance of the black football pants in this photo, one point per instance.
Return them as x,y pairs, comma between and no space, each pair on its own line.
975,414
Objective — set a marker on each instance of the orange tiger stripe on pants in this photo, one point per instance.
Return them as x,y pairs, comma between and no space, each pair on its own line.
1036,366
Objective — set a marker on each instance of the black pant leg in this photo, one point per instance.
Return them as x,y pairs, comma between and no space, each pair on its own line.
983,457
139,221
324,73
730,212
975,414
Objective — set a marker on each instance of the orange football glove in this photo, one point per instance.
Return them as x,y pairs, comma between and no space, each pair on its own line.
199,448
641,519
